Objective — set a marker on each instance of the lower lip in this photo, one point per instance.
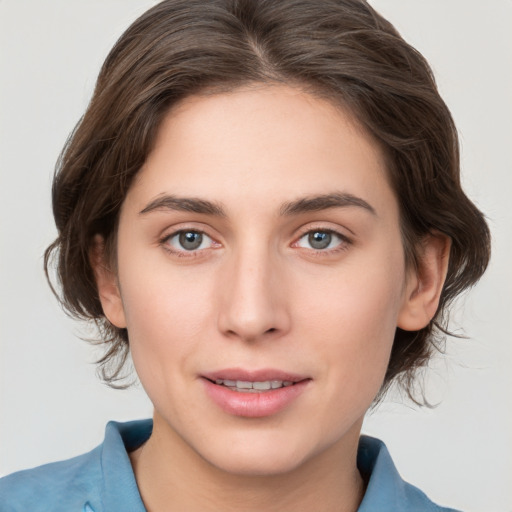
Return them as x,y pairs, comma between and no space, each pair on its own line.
254,405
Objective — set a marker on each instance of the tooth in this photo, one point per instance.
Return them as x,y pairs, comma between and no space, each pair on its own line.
249,386
261,385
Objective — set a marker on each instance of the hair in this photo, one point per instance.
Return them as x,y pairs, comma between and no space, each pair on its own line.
341,50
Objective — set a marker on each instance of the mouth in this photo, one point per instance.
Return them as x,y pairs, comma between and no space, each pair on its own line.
246,386
254,394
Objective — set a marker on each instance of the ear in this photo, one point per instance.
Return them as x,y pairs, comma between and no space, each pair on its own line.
424,284
107,284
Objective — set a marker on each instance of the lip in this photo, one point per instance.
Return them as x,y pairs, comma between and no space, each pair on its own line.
254,405
254,375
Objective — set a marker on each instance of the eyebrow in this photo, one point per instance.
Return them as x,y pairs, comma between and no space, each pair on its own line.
184,204
299,206
325,202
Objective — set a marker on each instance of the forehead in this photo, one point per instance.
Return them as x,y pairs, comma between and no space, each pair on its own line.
264,144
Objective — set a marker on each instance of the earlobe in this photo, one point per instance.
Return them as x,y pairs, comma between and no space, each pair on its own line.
425,284
107,284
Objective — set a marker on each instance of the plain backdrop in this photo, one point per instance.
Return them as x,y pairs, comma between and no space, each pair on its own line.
52,406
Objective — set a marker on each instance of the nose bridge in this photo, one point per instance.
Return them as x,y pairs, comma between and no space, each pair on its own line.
253,302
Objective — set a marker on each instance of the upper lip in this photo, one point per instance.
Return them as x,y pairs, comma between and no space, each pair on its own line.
261,375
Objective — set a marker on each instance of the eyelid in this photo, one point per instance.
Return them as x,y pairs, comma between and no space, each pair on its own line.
324,227
169,235
345,240
204,238
196,227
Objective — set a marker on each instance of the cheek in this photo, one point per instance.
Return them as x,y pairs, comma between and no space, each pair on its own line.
166,312
354,318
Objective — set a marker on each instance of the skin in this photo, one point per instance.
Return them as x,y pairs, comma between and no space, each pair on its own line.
257,294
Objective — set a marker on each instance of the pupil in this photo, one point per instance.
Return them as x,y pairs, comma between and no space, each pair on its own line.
190,240
319,240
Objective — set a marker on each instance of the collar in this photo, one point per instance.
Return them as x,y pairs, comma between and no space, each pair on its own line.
386,490
119,489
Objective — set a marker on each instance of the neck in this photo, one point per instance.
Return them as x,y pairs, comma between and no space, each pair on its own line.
172,476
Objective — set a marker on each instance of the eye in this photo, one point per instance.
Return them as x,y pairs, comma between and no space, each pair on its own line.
319,240
188,240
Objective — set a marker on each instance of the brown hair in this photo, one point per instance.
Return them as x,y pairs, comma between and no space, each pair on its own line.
340,49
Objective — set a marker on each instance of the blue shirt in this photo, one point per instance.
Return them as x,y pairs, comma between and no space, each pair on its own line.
103,481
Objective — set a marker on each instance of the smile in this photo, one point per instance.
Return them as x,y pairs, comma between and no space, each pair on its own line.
254,393
245,386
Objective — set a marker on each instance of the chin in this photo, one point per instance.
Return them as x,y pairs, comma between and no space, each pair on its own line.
254,464
261,456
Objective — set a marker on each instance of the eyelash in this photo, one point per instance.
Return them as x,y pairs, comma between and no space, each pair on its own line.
342,245
183,253
343,242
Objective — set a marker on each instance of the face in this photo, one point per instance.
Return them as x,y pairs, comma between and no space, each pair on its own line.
261,278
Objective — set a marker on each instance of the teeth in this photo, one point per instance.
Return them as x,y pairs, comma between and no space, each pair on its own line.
262,385
252,387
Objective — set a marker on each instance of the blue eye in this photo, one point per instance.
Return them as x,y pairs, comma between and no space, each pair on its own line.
188,240
320,240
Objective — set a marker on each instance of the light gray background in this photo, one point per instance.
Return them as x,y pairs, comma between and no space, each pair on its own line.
51,404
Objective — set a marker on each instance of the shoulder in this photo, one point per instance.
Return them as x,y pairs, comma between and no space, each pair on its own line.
386,490
100,480
64,485
416,499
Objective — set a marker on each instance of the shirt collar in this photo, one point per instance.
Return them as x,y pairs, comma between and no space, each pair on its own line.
385,488
385,492
119,490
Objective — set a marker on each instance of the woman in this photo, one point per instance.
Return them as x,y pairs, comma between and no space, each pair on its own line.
262,202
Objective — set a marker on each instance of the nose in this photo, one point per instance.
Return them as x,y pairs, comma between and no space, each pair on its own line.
253,297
